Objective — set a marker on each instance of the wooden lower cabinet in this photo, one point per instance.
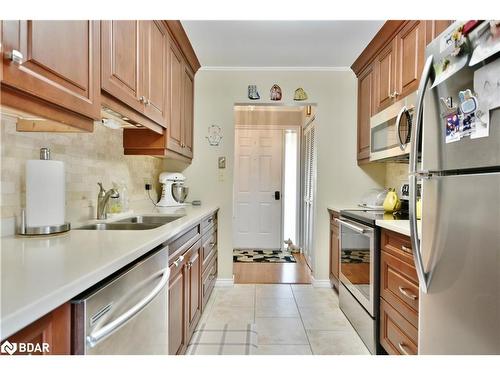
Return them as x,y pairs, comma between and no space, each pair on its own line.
193,270
194,299
334,248
399,295
51,334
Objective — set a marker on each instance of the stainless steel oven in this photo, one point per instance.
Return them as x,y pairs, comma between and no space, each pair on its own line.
390,130
358,290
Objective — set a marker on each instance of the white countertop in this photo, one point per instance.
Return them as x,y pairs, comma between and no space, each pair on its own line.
40,274
399,226
340,207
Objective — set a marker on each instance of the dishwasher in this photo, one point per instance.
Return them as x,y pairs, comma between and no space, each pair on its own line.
127,312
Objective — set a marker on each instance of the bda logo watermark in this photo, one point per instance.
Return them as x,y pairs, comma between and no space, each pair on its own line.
24,347
8,347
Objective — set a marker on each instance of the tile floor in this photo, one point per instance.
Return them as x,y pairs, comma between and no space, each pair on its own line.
289,319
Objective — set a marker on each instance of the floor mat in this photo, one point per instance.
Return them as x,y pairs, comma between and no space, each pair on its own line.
262,256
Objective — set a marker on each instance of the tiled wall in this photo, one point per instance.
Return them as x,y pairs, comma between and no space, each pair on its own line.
395,175
88,157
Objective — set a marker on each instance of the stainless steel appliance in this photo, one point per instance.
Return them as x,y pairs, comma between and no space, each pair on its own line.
127,313
390,130
457,255
359,271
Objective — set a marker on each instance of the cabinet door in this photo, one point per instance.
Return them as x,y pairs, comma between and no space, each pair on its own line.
154,73
187,111
194,289
434,28
411,51
121,62
174,98
52,330
177,325
58,62
385,77
365,111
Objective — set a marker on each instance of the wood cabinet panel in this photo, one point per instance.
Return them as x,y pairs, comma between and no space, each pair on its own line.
59,63
411,51
155,70
399,286
397,336
434,28
194,264
365,111
209,247
121,61
208,280
385,77
187,111
177,314
175,97
53,329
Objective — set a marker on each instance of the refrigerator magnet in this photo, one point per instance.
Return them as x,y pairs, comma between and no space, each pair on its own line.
452,128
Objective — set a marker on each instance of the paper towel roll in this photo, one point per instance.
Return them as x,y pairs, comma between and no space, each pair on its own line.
45,193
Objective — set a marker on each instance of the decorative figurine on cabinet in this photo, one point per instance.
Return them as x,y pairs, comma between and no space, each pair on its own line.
253,94
275,93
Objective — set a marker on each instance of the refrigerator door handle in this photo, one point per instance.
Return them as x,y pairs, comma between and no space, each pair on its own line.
415,140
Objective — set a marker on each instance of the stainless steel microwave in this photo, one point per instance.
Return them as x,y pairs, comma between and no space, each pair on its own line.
390,130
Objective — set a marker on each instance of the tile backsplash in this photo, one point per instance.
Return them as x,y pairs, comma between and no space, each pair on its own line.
89,158
395,175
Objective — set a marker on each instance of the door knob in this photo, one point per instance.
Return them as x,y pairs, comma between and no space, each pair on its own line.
277,195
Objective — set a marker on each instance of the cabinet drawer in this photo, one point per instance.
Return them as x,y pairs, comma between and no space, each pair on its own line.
209,246
208,222
397,336
183,242
208,280
399,286
398,245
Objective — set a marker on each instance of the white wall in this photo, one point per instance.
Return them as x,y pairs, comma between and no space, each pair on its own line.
340,181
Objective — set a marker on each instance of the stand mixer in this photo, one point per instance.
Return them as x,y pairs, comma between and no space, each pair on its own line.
174,192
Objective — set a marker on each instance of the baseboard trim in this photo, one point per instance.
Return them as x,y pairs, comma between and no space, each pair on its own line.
224,282
317,283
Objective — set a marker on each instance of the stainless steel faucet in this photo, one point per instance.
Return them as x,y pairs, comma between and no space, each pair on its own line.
103,199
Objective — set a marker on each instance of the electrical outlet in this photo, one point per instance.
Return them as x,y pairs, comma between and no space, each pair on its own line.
147,187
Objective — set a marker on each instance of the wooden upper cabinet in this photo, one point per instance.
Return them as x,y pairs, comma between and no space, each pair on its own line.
385,77
175,98
121,61
155,70
434,28
188,108
57,61
411,44
365,110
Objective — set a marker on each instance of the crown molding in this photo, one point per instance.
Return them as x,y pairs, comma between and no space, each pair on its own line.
277,68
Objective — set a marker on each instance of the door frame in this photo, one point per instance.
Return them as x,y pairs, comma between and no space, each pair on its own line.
283,128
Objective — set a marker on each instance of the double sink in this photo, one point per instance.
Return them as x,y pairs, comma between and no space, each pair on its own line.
132,223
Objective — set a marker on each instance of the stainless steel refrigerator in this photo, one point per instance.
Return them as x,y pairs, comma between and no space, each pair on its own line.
456,155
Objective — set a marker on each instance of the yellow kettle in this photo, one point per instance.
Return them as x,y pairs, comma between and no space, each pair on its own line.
392,202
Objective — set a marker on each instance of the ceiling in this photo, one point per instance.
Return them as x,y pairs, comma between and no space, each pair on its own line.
298,44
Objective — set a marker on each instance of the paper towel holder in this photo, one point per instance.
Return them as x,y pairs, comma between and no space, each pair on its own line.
24,230
43,230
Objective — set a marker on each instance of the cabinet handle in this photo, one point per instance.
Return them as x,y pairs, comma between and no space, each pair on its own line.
401,347
15,56
142,99
179,260
404,248
211,243
396,94
148,102
405,293
190,264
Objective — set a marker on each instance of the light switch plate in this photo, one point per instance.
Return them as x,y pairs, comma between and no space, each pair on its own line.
222,162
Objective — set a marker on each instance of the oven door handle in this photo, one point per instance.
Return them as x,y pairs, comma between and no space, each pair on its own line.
353,227
95,337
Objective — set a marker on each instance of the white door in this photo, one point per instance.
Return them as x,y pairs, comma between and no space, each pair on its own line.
257,182
309,189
